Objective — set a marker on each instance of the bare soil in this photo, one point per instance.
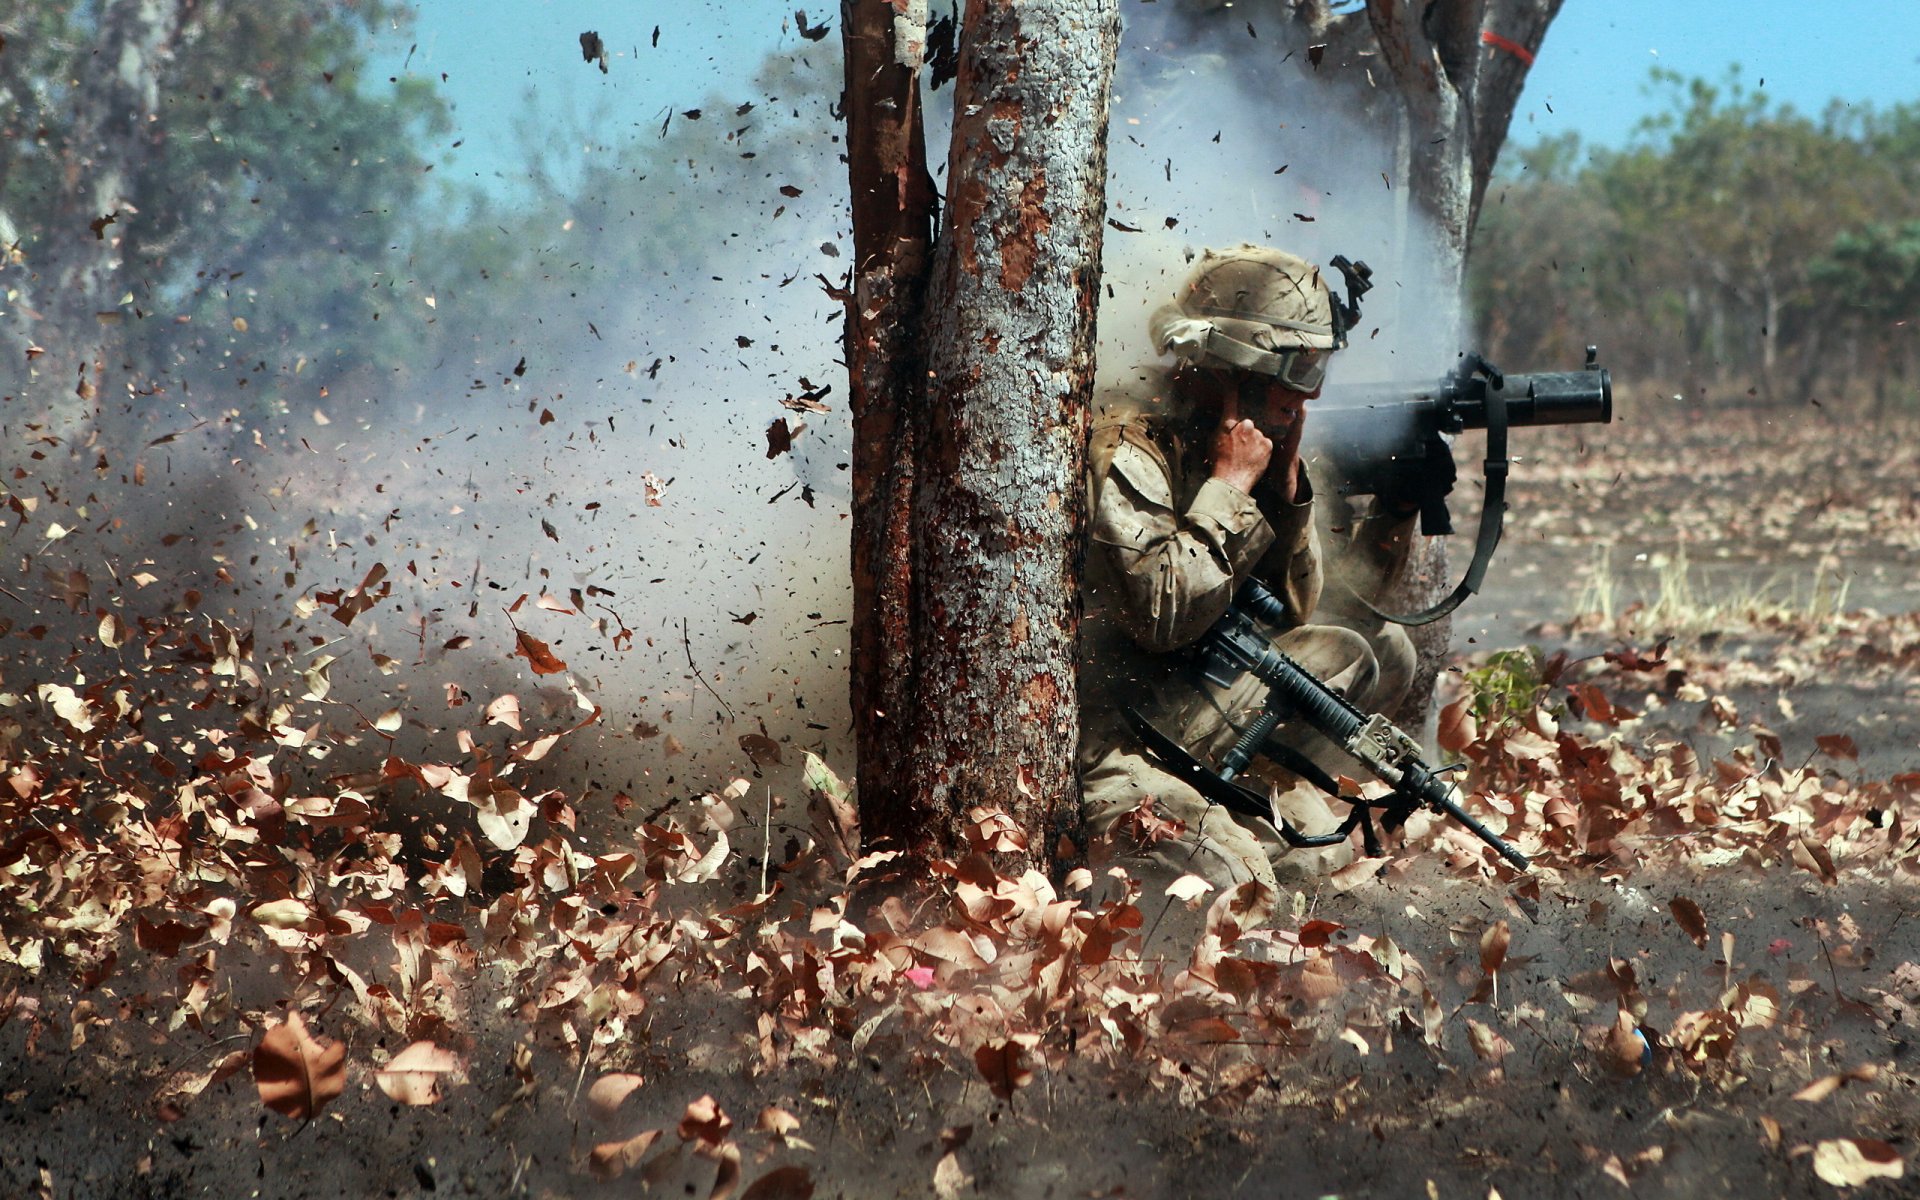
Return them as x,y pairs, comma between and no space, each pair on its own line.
1706,987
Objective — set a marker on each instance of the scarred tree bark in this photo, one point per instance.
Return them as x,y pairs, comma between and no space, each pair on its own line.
986,433
1457,67
893,215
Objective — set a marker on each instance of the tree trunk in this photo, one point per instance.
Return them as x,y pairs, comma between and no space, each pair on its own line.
115,133
1458,66
992,421
893,214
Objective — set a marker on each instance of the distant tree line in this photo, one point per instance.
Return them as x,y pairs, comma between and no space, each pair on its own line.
1733,248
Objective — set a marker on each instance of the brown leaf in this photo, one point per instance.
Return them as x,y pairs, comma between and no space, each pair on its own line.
1837,745
414,1075
1493,946
536,653
781,1183
780,437
609,1092
1458,727
1002,1064
1626,1047
1487,1042
608,1159
705,1122
1691,920
1850,1162
297,1074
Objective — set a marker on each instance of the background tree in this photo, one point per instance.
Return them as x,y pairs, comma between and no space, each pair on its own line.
1734,247
1446,77
970,360
163,152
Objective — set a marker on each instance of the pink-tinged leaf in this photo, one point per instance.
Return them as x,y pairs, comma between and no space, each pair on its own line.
920,977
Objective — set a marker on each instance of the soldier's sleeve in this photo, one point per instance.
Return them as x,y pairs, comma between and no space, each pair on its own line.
1177,571
1292,567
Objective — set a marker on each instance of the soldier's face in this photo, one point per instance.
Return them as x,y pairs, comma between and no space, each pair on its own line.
1274,407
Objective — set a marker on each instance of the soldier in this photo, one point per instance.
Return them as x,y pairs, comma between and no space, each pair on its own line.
1196,485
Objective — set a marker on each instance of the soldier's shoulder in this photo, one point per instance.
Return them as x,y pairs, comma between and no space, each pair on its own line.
1139,406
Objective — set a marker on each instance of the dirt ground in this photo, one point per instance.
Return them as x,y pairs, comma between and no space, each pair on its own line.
1706,987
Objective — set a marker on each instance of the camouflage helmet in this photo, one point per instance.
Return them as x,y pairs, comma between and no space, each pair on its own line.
1246,308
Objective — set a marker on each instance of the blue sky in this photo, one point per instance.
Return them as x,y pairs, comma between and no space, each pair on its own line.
506,60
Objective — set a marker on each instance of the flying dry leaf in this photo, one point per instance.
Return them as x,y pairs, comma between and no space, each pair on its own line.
1691,920
781,1183
536,653
297,1074
68,705
1827,1085
1625,1047
1487,1042
1458,728
950,1179
504,817
1837,745
1003,1066
414,1075
706,1122
1188,888
1493,946
282,914
608,1159
504,710
609,1092
1850,1162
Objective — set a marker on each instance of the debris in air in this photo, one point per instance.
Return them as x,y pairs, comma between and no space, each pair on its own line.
592,49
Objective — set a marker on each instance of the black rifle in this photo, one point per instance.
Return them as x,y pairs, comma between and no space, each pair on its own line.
1372,439
1235,646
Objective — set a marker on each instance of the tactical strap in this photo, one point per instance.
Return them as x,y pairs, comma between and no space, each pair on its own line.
1492,519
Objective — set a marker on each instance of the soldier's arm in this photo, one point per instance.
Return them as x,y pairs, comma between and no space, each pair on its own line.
1177,571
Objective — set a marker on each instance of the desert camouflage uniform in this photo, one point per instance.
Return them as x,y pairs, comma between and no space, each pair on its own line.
1169,547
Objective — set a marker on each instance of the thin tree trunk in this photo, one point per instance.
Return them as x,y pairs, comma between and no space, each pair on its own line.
893,214
1458,67
116,101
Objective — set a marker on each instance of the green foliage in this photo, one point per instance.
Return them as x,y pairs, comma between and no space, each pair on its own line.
1734,245
1508,686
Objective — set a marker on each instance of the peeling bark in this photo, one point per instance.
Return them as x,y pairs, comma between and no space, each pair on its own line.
1457,67
993,425
893,212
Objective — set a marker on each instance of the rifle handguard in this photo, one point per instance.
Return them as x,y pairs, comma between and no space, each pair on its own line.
1236,646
